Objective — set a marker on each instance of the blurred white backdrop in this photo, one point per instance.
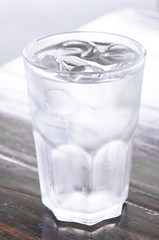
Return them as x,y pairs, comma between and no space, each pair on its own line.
24,20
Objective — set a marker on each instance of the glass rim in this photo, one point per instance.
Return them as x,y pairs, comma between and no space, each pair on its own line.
121,68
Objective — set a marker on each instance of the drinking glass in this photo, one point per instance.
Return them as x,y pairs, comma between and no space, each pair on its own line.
84,90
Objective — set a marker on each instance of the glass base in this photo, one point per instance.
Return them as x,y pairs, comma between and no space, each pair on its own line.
85,218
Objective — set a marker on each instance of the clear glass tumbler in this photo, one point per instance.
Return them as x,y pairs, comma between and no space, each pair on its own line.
84,91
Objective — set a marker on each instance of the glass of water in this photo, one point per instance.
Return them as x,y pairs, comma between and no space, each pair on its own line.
84,90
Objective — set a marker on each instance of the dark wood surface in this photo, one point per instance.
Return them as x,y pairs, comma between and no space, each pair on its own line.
23,216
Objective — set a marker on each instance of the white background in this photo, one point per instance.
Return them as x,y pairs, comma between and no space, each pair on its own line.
24,20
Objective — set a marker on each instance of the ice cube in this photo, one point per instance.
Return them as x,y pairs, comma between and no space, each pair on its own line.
48,61
59,102
81,56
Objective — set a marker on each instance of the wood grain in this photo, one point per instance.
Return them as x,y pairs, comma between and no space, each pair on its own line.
16,140
23,216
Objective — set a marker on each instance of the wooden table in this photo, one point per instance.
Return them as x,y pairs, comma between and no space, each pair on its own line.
22,215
